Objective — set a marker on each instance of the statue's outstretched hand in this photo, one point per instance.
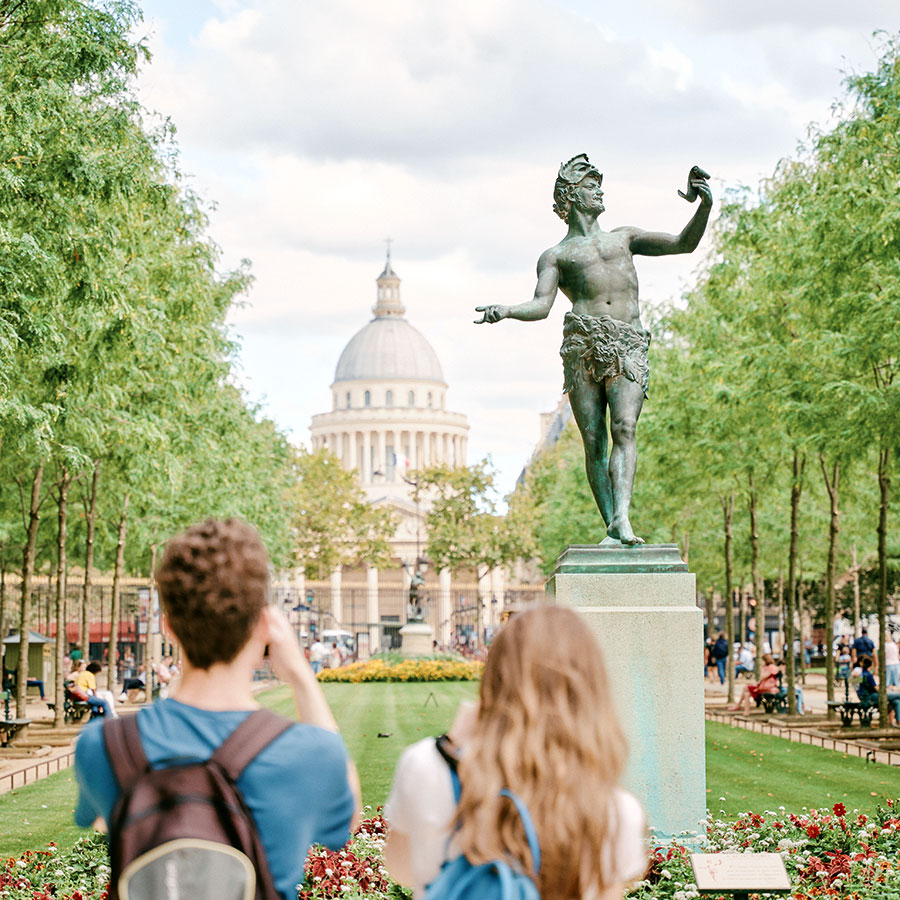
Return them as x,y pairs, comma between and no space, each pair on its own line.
491,314
698,186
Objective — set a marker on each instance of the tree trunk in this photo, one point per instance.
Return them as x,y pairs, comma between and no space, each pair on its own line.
728,515
90,511
154,640
31,533
831,485
744,611
2,609
805,621
884,490
758,587
112,653
791,595
857,615
781,617
62,638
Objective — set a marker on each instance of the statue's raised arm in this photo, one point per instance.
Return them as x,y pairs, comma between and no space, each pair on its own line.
657,243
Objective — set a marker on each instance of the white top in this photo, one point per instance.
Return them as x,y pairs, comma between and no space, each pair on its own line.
421,805
891,653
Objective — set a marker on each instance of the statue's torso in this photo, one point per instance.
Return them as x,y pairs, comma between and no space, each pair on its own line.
596,272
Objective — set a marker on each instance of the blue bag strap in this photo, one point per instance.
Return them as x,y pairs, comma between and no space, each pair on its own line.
457,787
530,831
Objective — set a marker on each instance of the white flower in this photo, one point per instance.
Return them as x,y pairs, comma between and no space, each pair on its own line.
21,863
666,873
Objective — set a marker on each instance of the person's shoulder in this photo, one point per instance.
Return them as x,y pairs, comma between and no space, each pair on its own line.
629,811
90,741
628,231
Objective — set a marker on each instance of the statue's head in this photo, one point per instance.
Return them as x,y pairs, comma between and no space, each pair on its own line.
570,175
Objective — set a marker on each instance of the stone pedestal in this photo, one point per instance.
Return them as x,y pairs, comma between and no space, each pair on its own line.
417,639
640,602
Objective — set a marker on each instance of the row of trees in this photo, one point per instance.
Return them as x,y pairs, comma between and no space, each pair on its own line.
119,419
768,446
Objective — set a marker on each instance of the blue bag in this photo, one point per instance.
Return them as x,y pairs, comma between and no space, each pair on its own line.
497,880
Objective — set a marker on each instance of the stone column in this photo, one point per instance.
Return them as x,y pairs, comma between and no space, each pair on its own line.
372,616
365,471
382,461
444,607
464,450
498,589
640,603
337,601
353,450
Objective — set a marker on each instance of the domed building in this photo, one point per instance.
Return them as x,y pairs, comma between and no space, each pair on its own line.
389,418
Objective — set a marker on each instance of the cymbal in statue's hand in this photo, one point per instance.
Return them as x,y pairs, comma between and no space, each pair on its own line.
491,314
698,186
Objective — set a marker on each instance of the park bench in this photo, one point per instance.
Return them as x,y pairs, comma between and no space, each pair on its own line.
774,703
9,727
850,708
74,710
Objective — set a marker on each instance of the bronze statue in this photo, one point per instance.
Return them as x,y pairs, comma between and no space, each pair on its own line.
605,346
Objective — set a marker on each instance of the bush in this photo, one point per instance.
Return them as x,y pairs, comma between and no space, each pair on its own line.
442,668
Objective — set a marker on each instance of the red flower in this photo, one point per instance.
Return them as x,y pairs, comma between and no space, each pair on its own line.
813,830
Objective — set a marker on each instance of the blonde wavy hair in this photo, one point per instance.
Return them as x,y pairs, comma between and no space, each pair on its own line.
546,730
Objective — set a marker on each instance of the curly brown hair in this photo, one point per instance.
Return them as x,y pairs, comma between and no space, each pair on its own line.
213,582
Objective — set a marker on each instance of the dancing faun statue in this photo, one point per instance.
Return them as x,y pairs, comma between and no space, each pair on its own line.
604,349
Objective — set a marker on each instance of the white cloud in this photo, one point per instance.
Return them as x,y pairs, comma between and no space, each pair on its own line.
321,128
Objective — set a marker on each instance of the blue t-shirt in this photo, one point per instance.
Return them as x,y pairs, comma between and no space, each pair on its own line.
296,789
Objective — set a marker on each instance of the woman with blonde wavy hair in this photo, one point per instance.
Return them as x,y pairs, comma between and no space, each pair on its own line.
545,729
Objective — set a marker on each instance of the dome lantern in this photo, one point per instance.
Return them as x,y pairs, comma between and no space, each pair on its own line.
388,303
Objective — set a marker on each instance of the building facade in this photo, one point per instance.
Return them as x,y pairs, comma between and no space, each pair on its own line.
388,419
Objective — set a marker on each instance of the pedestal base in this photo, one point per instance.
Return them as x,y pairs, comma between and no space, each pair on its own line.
640,602
416,639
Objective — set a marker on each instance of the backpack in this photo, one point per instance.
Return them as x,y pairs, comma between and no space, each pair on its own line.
497,880
184,832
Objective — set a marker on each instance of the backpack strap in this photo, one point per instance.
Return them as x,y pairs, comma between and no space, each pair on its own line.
530,831
122,739
249,739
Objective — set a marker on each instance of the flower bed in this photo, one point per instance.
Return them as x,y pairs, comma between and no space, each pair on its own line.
828,854
441,668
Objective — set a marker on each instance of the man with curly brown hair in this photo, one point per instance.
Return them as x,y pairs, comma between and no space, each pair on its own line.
302,788
605,345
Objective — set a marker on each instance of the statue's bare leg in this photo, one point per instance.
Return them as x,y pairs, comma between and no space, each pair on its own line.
588,400
625,400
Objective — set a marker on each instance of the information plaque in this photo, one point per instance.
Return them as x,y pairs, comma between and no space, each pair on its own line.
739,873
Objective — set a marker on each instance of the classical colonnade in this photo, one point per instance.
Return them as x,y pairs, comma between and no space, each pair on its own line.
378,450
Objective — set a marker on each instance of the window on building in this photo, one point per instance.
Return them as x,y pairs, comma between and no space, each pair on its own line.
335,400
367,398
391,461
389,398
411,398
430,400
348,399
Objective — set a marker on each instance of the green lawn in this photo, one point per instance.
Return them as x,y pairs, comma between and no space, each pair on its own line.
751,771
405,711
758,772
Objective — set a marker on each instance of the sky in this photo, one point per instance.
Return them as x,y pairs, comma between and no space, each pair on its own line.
319,129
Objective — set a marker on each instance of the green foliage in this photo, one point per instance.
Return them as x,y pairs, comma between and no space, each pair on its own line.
332,521
464,527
